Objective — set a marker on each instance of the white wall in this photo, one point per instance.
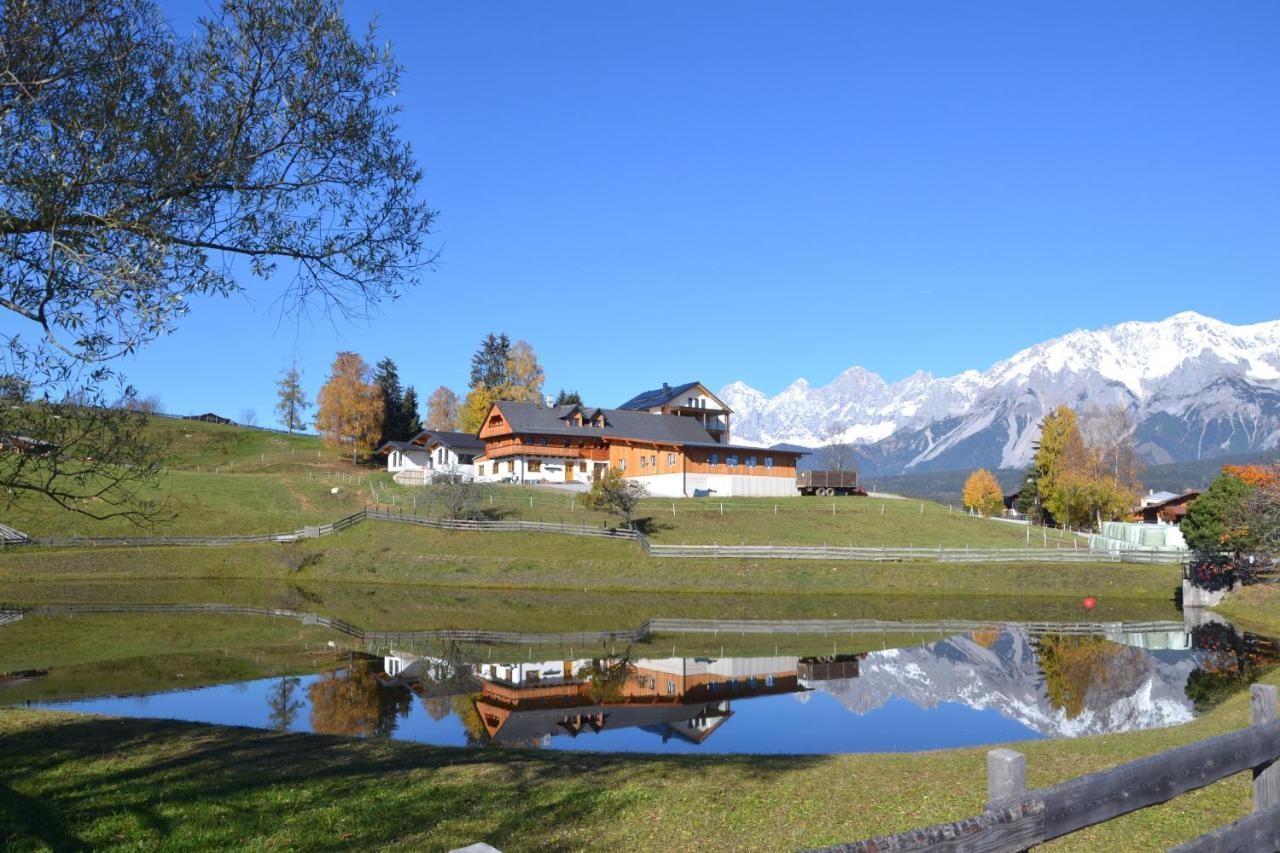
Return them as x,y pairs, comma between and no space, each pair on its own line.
408,460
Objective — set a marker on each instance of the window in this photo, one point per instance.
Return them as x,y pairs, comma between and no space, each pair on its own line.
768,681
622,464
671,460
582,467
566,441
653,460
715,459
671,687
535,465
511,466
731,460
542,440
480,470
768,462
643,461
751,462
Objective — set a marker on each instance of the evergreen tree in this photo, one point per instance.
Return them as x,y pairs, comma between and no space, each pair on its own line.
387,377
568,398
490,363
291,403
410,420
1216,520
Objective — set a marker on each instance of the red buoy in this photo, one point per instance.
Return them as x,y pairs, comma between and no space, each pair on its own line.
1090,602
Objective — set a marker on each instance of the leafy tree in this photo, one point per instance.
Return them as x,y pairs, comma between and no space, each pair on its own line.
1262,508
568,398
411,421
837,451
291,400
982,493
524,375
616,495
1087,470
442,409
139,164
249,417
351,408
1215,521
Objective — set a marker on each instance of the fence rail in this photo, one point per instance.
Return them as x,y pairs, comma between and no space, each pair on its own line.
1016,819
767,552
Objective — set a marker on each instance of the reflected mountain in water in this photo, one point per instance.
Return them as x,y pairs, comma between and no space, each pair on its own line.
1055,686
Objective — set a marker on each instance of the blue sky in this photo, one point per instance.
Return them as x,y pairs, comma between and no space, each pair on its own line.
666,191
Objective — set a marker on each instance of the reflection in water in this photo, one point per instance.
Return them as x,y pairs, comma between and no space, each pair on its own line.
965,690
284,703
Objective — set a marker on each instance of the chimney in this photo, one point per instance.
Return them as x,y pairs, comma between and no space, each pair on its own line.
548,401
665,388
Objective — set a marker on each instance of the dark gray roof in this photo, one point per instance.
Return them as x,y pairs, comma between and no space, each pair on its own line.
657,397
399,445
620,423
463,441
534,724
718,445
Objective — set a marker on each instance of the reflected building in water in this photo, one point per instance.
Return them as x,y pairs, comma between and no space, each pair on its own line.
688,698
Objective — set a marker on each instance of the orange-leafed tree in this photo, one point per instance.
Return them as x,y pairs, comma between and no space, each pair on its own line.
1254,475
351,408
982,493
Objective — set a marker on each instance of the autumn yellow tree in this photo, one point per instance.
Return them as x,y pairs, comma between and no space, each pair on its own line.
351,408
982,493
1095,473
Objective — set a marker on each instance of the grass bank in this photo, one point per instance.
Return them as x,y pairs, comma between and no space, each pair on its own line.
389,553
1256,608
72,781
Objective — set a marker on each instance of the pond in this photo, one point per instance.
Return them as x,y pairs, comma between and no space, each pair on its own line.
998,684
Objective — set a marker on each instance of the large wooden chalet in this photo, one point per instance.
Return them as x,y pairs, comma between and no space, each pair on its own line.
673,440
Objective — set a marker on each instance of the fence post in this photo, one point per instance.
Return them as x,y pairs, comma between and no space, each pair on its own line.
1266,777
1006,775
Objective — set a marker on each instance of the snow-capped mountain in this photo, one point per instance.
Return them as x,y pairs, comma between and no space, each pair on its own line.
1196,387
1141,690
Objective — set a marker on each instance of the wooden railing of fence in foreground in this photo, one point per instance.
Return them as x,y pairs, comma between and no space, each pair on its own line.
1016,819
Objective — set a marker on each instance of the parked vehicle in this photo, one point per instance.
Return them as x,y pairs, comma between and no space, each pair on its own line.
829,483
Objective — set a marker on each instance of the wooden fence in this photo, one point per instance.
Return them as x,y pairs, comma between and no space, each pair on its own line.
768,552
1016,819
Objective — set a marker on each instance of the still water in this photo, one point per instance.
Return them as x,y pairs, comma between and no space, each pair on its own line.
964,690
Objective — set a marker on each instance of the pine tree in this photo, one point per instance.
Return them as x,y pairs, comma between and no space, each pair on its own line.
387,377
410,420
292,403
568,398
489,364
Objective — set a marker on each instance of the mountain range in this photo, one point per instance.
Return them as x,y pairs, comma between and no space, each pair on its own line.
1196,387
1140,689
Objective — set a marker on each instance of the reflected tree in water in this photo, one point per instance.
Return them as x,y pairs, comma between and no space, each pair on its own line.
353,702
464,706
1077,670
1231,661
284,703
606,677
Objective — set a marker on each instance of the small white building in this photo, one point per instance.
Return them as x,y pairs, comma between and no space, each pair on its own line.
431,455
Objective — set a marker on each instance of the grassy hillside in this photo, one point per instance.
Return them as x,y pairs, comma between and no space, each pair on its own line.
226,479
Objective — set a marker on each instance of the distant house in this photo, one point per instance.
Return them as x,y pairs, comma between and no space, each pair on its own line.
432,454
671,453
690,400
1165,510
209,417
14,443
1011,504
